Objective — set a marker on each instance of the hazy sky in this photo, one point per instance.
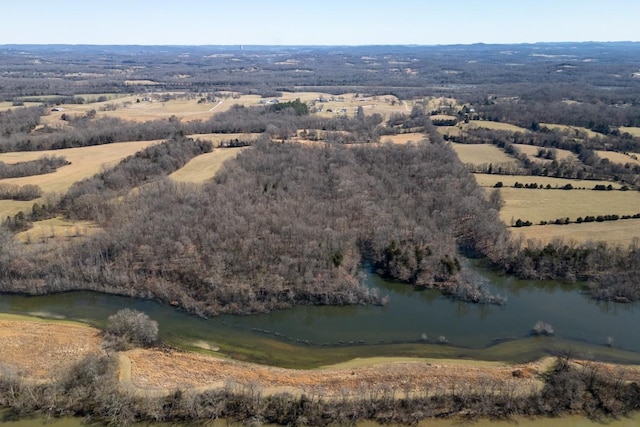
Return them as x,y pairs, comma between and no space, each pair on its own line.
331,22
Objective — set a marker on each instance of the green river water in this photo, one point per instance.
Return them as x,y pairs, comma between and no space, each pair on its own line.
311,336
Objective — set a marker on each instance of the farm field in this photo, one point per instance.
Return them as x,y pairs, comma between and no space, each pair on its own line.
85,162
222,138
615,157
635,131
587,131
482,124
205,166
8,105
479,154
621,233
531,151
55,229
189,108
404,138
489,180
545,205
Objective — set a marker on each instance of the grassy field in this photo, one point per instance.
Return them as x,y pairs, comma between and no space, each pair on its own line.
12,207
621,232
635,131
482,124
545,205
404,138
85,162
615,157
8,105
532,150
190,109
55,229
479,154
205,166
489,180
588,132
442,117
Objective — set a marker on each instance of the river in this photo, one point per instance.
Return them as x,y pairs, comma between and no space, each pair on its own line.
412,323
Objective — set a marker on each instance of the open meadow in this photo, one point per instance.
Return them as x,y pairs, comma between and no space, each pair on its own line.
205,166
622,233
547,205
531,151
615,157
490,180
576,129
479,154
85,162
188,107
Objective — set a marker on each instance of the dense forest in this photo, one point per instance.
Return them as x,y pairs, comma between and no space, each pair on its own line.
284,224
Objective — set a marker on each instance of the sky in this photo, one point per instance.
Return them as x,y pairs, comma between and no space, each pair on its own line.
316,22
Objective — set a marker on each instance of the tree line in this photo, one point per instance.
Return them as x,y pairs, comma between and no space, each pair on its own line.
91,390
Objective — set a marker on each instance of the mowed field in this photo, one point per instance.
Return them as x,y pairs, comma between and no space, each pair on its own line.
189,108
531,151
85,162
635,131
479,154
587,131
615,157
205,166
545,205
618,233
490,180
404,138
482,124
56,229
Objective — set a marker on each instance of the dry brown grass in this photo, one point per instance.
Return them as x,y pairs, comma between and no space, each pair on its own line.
222,138
56,229
190,109
621,232
482,124
615,157
587,131
42,350
85,162
404,138
489,180
205,166
531,151
449,130
442,117
635,131
479,154
8,105
545,205
12,207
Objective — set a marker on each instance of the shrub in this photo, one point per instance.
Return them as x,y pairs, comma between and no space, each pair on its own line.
131,328
542,328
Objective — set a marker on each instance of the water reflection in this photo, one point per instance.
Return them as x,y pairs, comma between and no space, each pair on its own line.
409,314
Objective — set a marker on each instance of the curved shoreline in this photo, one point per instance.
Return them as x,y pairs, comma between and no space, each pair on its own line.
38,350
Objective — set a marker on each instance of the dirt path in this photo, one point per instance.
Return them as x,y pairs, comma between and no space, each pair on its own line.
39,350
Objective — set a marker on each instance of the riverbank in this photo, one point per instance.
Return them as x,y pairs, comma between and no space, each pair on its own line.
40,350
57,368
